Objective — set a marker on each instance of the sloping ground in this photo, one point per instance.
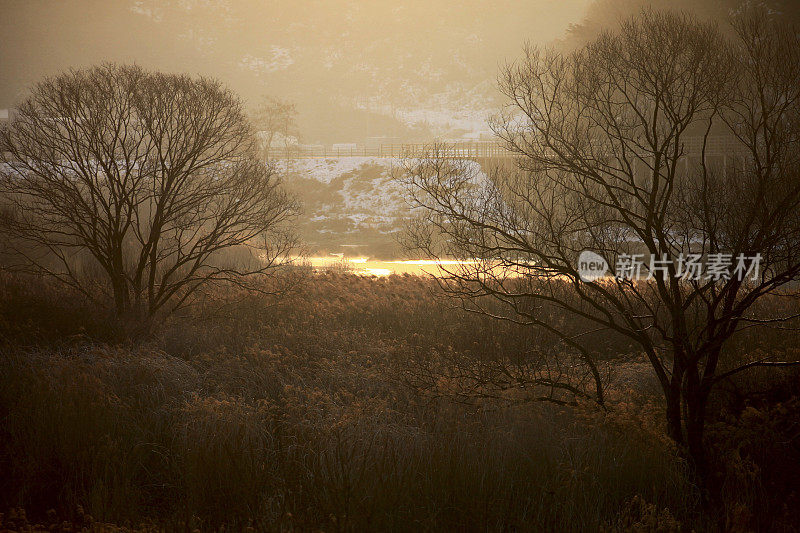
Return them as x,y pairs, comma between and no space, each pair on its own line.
351,205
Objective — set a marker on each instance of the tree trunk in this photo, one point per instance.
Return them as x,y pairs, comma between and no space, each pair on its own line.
122,297
674,422
695,430
685,411
673,396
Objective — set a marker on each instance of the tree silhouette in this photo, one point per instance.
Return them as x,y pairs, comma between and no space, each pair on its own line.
662,140
149,177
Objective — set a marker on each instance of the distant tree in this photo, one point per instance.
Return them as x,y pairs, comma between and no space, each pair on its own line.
602,142
275,120
152,178
602,15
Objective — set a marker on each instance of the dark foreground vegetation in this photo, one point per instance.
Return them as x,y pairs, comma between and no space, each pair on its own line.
318,412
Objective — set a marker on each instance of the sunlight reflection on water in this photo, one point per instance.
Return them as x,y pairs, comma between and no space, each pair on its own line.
374,267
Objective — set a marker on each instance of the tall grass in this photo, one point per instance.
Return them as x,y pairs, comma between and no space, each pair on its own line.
293,415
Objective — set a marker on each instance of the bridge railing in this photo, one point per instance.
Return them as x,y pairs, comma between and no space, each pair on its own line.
469,150
466,150
723,145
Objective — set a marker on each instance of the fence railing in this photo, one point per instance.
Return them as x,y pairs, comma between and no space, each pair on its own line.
469,150
715,146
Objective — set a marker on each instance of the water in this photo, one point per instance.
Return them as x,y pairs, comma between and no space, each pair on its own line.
373,267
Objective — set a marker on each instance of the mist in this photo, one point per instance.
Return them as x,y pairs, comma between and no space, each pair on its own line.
354,69
339,265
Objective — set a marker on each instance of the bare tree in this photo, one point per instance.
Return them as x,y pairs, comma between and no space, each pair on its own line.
151,177
663,140
275,120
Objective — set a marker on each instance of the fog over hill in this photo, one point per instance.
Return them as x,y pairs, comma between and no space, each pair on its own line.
604,14
427,69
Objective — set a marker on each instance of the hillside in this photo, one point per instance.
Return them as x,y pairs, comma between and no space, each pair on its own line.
351,205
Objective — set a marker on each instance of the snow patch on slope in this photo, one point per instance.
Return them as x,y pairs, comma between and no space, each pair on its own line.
327,170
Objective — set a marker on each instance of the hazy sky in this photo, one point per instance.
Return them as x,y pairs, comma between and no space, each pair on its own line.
349,65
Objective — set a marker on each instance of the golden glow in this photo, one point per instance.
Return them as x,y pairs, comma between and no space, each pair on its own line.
376,267
359,73
424,262
354,68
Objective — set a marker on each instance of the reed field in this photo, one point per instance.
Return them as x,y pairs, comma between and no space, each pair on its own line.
315,411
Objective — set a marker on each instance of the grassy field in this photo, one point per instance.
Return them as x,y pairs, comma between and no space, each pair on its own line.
319,411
